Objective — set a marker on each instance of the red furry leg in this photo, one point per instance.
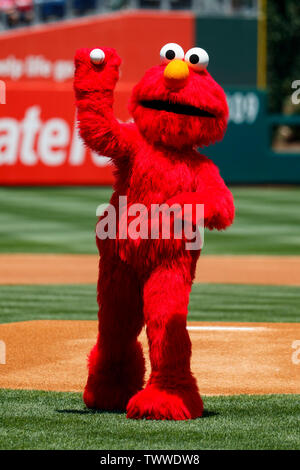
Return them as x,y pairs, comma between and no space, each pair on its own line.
116,363
171,392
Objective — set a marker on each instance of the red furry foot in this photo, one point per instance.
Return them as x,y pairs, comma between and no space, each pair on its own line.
153,403
110,386
109,397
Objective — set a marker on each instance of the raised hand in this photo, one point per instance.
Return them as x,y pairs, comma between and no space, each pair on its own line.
91,75
96,75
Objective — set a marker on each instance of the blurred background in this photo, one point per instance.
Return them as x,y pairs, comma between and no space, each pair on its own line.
254,49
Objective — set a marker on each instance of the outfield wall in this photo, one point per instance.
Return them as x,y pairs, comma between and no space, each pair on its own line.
38,138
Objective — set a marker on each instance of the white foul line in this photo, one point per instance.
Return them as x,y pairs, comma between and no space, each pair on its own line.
225,328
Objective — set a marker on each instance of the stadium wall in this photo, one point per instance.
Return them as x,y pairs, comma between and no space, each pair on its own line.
39,144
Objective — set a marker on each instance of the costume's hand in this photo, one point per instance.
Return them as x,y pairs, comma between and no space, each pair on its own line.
188,202
218,213
96,77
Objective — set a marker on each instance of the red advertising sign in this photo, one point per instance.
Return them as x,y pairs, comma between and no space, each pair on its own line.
39,143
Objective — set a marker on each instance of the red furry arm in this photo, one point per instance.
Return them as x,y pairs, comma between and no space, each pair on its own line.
213,193
94,86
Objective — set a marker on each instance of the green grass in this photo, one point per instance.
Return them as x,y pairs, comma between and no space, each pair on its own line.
62,220
208,302
244,303
267,222
51,420
49,220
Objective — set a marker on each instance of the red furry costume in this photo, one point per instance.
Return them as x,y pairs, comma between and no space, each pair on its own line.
176,106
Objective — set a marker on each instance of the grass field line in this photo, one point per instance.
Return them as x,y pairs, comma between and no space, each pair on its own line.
62,220
208,302
83,269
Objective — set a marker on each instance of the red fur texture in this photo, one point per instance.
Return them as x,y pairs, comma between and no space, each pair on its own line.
149,281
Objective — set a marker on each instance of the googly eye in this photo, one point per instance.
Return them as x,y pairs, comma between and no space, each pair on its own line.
197,58
171,51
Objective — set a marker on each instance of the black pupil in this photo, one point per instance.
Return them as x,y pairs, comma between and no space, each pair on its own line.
170,54
194,59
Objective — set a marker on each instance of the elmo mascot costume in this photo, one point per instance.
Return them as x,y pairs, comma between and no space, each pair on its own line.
177,106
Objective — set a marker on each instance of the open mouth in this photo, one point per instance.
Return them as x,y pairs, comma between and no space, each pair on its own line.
176,108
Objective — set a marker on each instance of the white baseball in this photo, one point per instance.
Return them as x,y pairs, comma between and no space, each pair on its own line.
97,56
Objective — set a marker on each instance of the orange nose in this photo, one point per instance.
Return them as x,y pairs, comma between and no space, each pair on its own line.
176,73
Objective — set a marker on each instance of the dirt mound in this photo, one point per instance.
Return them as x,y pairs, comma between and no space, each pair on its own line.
228,358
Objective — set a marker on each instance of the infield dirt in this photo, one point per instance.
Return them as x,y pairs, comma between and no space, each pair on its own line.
77,269
228,358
